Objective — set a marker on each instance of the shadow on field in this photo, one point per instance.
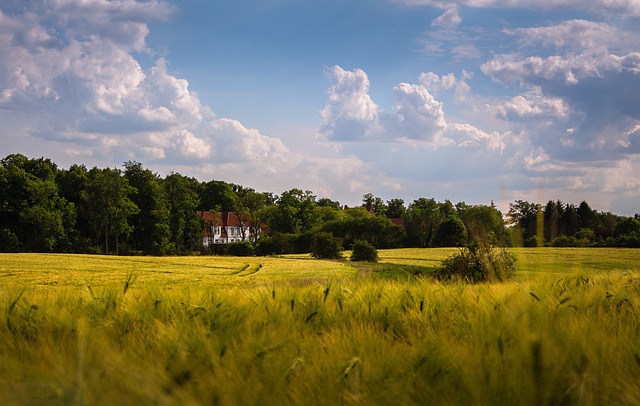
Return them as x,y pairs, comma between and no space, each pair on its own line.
393,271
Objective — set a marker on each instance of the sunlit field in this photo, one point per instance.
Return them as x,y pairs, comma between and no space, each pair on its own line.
219,330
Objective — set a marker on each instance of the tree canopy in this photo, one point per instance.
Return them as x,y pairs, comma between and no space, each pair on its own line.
132,210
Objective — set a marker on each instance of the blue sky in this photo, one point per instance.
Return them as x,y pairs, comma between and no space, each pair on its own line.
469,100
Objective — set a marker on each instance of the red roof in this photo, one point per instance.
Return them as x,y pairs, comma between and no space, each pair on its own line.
225,219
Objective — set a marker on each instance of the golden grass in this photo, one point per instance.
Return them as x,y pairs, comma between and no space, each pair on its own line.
204,330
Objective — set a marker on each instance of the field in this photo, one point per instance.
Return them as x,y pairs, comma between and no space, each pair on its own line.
235,331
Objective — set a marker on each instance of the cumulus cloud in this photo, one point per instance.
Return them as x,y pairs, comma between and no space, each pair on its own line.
416,116
532,104
593,88
236,143
435,83
350,113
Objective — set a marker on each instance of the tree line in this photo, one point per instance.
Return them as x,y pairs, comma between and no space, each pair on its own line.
132,210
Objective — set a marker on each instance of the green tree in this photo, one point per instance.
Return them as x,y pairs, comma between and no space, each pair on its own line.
628,226
422,220
526,220
217,196
185,225
552,213
451,233
33,215
295,212
485,225
151,223
73,186
110,207
586,216
395,208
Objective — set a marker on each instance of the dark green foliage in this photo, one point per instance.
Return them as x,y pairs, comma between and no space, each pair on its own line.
326,246
361,225
451,233
476,264
184,223
151,224
241,249
276,244
363,251
9,242
627,226
534,241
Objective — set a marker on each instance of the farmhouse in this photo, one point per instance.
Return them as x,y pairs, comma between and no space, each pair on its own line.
228,227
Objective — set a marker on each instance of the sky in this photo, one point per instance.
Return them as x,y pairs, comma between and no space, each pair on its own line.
467,100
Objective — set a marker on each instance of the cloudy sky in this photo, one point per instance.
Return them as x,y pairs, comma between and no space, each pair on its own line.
468,100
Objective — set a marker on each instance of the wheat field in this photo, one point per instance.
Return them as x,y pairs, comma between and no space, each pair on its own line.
235,331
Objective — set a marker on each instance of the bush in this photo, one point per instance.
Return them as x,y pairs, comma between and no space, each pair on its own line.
534,241
276,244
240,249
476,264
326,246
363,251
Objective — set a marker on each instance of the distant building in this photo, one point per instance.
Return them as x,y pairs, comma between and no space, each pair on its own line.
228,227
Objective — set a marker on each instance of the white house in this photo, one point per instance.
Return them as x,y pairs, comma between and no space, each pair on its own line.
228,227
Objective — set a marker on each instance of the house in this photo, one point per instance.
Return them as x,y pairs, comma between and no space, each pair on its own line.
228,227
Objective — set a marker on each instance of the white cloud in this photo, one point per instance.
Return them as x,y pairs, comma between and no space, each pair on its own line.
575,34
123,21
350,113
191,146
435,83
467,136
236,143
532,104
622,7
451,17
418,115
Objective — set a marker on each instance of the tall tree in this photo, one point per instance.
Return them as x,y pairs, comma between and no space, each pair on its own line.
295,212
217,196
551,220
184,223
422,220
395,208
110,207
151,224
33,216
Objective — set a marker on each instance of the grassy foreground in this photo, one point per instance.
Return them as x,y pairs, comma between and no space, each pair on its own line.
202,330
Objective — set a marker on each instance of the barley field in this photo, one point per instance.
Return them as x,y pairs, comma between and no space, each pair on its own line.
102,330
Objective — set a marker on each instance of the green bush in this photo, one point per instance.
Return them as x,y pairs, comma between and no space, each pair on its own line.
476,264
326,246
363,251
240,249
534,241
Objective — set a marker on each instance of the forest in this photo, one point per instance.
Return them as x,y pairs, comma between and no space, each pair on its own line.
134,211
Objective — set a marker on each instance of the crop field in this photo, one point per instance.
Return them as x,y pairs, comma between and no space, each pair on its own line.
79,329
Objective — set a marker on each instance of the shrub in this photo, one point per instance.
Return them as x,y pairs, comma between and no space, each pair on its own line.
474,264
326,246
363,251
240,249
534,241
276,244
